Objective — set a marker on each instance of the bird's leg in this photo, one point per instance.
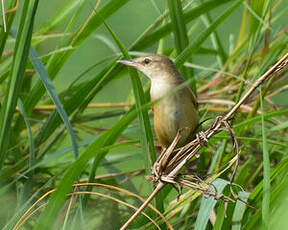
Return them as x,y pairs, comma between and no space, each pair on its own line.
201,137
156,165
169,151
161,163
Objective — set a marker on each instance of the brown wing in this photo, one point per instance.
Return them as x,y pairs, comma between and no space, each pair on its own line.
193,98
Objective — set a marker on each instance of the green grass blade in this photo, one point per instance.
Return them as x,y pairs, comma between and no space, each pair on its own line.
281,168
32,157
192,14
180,36
258,9
178,24
30,134
208,204
17,74
266,177
283,125
239,211
256,18
195,45
40,68
278,219
220,216
216,41
279,172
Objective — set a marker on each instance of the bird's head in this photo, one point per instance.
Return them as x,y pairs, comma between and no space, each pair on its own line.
154,66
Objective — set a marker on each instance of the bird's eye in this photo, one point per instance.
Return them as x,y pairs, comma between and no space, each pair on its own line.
147,61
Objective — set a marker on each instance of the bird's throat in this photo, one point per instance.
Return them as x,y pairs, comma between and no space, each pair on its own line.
160,88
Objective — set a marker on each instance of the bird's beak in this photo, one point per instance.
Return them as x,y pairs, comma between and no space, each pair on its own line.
128,63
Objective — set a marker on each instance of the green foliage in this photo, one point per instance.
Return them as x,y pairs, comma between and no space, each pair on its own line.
59,67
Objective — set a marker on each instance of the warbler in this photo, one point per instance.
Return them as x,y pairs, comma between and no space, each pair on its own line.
174,112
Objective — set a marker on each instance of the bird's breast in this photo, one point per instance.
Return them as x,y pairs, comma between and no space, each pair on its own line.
173,113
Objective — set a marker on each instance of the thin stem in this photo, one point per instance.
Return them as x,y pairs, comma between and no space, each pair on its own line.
4,16
160,185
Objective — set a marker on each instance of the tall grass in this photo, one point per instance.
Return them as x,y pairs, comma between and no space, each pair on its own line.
54,134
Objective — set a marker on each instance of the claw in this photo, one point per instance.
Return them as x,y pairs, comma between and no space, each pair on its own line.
202,139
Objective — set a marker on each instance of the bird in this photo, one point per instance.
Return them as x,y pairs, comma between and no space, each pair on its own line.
175,111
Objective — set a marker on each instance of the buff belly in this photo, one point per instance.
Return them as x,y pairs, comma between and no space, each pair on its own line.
174,114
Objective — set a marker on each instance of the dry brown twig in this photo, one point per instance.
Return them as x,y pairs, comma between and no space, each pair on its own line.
167,168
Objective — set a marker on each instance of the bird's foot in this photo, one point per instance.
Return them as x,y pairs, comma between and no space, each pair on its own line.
202,139
155,170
